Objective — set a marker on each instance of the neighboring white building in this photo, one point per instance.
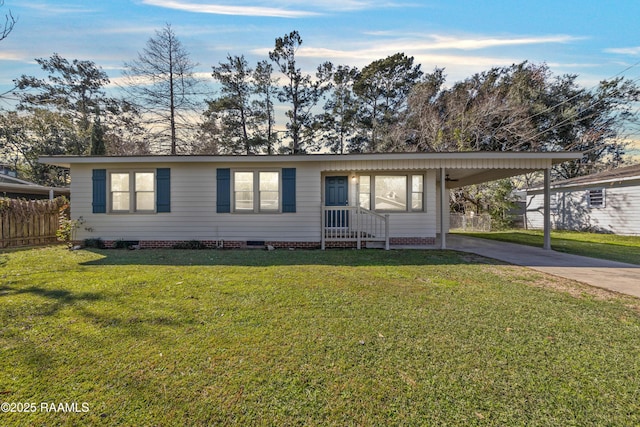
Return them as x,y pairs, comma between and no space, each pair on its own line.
604,202
284,201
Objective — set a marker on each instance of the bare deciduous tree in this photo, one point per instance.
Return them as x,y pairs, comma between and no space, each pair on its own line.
9,22
162,83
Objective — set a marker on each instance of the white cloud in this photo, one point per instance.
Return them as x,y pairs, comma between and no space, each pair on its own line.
423,49
8,56
633,51
58,9
129,29
278,8
219,9
429,50
122,81
443,42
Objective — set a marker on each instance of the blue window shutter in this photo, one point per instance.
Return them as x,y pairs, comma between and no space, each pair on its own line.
163,190
99,191
289,190
223,192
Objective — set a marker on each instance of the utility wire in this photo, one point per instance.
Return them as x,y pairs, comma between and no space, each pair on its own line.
573,116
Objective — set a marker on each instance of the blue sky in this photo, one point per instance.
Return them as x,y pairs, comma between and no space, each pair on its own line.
591,38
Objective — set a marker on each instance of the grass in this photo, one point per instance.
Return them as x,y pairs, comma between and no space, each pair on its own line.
368,337
605,246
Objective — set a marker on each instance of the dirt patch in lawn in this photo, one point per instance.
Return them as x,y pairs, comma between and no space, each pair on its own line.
582,290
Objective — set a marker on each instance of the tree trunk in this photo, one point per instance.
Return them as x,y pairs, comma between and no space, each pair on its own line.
172,106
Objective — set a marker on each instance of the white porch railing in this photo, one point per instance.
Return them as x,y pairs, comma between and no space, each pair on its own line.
354,224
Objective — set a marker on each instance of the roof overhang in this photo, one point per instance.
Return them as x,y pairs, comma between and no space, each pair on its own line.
32,189
462,168
585,184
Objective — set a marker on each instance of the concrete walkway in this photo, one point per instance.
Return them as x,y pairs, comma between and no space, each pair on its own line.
615,276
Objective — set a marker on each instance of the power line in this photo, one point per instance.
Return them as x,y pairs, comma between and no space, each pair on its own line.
580,93
573,116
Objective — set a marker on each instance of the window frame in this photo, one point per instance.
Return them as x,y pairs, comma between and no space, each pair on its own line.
256,191
133,208
409,193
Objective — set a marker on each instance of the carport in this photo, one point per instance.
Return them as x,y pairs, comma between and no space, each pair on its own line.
462,169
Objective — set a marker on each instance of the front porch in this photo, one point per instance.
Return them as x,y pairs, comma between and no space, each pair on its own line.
354,224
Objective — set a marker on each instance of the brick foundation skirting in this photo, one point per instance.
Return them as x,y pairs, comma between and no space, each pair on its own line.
240,244
412,241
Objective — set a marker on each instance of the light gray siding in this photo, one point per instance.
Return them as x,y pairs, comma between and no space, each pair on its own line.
193,208
570,209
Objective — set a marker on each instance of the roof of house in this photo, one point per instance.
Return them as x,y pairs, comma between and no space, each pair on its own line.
12,185
618,174
627,173
462,168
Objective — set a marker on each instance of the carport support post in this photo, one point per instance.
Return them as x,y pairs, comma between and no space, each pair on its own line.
444,205
547,209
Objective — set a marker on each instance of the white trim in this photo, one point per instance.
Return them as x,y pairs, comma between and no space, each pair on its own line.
554,157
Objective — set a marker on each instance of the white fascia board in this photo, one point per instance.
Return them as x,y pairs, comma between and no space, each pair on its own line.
67,161
36,189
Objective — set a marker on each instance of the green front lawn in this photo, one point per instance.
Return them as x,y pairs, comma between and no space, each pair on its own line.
595,245
339,337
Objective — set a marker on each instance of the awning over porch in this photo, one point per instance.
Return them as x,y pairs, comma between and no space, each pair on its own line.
462,168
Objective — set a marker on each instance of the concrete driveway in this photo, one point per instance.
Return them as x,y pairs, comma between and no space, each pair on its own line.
611,275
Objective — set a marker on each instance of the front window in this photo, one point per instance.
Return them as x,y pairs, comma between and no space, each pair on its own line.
144,188
132,191
120,192
269,191
243,182
417,191
392,193
256,191
365,192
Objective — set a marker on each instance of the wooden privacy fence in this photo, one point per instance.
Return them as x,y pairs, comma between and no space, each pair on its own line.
30,222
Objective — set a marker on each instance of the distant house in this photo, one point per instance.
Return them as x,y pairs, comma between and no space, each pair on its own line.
7,169
604,202
301,201
15,188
